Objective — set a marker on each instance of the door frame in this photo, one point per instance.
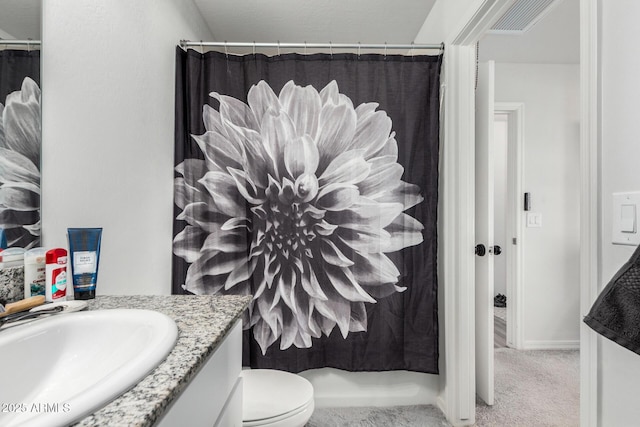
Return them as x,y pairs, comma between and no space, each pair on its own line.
515,223
457,399
589,204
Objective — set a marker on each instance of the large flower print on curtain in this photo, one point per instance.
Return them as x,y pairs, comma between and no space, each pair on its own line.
311,183
20,125
297,201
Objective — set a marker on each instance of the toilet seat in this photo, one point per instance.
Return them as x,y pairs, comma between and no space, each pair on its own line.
296,418
274,398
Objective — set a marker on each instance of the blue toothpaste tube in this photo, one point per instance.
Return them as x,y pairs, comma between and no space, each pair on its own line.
84,254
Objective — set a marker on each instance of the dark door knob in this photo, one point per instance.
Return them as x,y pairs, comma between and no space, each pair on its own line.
480,250
497,250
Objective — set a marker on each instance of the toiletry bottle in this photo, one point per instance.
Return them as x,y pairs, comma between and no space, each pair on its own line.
34,272
12,257
84,256
56,271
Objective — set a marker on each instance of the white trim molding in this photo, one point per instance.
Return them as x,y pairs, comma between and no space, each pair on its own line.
552,345
515,222
458,391
459,234
589,207
458,209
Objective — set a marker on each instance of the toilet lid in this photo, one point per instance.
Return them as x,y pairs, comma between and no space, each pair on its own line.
268,393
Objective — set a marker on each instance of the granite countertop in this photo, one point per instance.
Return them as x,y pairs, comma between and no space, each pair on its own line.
203,321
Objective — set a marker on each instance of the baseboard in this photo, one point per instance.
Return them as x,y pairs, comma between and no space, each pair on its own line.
441,404
552,345
336,388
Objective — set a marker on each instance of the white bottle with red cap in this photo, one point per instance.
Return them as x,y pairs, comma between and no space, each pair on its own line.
56,271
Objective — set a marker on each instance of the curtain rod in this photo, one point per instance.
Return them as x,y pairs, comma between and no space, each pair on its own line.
189,43
9,42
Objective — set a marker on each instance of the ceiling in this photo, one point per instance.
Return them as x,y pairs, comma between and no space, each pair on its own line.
20,19
315,21
554,39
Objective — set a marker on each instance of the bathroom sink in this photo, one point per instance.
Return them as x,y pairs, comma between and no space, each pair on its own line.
62,368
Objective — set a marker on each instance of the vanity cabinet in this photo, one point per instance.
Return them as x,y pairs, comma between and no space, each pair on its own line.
198,384
214,395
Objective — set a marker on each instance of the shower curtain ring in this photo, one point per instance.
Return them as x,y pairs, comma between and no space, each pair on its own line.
226,52
305,47
278,47
331,49
385,49
411,48
201,48
358,50
254,48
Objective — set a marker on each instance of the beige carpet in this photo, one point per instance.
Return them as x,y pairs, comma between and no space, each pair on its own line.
499,332
534,389
396,416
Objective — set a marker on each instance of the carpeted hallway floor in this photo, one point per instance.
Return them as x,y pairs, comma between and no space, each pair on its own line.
533,389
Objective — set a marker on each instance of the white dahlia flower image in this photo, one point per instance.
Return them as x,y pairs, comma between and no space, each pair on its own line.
298,200
20,128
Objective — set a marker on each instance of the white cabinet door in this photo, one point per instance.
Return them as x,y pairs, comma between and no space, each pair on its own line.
205,397
231,415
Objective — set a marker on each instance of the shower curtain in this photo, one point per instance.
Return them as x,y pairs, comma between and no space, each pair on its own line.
20,147
311,182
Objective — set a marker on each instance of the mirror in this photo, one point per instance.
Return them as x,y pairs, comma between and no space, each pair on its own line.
20,122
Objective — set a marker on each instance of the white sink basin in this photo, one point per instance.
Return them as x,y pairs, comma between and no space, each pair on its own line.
62,368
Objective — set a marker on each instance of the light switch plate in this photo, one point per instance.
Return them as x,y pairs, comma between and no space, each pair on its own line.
534,219
625,218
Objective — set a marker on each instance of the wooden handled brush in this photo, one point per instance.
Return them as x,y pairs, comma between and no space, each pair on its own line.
22,305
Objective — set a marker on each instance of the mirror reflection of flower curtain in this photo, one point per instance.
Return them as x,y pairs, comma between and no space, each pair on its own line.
311,182
20,129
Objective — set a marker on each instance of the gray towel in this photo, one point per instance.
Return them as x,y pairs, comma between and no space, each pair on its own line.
616,313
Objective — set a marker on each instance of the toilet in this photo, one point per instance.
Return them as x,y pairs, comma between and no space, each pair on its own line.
274,398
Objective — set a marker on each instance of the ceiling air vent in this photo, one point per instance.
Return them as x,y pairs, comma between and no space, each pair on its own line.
522,15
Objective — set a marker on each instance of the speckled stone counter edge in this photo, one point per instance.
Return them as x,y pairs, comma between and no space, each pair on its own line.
203,322
11,284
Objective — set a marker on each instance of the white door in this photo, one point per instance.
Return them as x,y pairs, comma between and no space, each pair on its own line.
484,232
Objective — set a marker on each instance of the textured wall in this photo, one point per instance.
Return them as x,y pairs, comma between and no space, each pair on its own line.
619,369
550,94
108,69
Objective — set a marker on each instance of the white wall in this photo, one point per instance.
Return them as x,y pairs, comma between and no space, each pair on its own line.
443,19
550,94
107,108
619,368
